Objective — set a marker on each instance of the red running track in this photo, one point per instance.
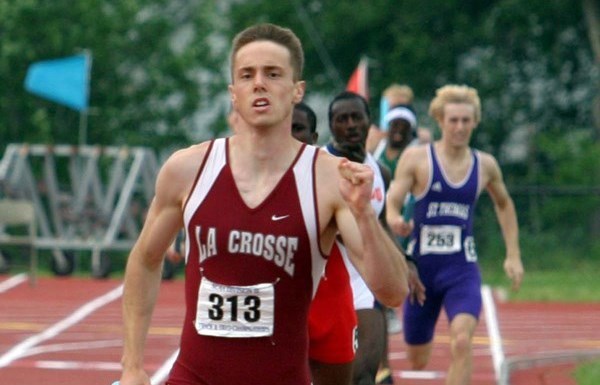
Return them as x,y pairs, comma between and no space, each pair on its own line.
542,341
68,330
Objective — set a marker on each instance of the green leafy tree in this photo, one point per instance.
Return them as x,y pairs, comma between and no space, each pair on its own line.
534,63
156,63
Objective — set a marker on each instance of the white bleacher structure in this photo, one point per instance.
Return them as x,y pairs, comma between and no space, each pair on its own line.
19,213
86,199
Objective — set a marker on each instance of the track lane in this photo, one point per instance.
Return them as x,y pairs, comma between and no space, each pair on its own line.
55,333
88,352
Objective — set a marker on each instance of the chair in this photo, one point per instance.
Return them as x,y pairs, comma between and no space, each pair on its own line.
15,212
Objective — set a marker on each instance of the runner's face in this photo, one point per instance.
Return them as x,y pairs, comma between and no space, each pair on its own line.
399,134
458,124
263,90
349,127
301,127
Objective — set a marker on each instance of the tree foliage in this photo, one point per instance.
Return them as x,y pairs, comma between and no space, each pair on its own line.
153,68
160,64
532,63
160,71
529,60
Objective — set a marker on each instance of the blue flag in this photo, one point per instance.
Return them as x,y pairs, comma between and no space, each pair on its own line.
64,81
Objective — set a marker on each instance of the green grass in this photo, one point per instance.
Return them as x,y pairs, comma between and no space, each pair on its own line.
579,283
588,374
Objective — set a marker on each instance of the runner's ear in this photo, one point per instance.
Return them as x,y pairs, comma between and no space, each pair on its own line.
299,89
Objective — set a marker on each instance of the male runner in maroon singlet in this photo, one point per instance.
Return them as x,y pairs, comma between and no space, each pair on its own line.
260,211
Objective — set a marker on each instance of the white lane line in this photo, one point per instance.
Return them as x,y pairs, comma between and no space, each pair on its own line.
21,349
491,320
12,282
161,374
72,346
76,365
420,374
397,356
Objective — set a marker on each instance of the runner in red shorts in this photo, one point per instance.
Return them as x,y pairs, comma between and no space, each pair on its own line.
332,319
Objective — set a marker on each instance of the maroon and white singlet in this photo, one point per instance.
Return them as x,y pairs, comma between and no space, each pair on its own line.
250,276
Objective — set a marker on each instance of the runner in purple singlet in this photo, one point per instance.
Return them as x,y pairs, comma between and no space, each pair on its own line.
446,178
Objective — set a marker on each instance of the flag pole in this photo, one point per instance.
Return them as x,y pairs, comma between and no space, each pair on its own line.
83,119
83,114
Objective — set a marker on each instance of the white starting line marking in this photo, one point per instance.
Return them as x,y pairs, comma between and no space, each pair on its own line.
73,346
162,372
21,349
397,355
420,374
78,365
12,282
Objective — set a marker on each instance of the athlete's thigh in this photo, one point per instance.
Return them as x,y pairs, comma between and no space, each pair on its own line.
330,374
332,336
371,340
332,319
419,320
464,295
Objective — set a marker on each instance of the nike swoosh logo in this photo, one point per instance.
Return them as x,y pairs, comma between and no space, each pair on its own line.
279,217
